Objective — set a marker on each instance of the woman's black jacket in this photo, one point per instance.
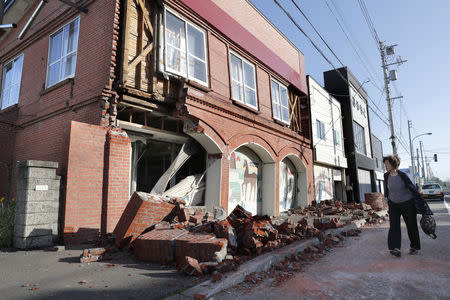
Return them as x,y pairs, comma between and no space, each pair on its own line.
421,206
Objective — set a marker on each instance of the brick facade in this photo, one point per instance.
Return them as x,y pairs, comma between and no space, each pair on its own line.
72,122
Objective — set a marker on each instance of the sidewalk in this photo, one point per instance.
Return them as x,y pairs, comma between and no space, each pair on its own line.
260,263
42,274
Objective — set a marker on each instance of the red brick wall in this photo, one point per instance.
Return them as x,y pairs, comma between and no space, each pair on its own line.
84,194
118,151
97,181
44,116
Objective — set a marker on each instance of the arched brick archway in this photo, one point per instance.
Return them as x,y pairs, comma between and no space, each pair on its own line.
303,173
214,146
262,158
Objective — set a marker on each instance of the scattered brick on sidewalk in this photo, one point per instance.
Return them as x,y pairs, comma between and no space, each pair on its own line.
92,254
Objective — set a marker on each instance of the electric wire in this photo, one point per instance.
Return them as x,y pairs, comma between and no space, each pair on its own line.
373,81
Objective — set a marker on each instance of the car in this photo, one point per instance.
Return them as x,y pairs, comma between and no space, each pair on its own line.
432,191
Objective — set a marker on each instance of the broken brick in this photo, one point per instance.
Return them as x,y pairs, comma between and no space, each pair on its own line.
237,214
143,211
190,267
217,276
202,246
183,215
157,245
92,254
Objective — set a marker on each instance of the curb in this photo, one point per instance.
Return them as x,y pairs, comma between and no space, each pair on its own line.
258,264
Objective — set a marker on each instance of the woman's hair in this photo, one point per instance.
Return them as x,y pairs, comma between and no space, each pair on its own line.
394,160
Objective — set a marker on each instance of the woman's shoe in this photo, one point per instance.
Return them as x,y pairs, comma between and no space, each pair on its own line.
413,251
396,252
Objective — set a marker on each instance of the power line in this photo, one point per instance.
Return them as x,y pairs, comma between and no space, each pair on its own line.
373,81
326,58
369,22
339,12
318,33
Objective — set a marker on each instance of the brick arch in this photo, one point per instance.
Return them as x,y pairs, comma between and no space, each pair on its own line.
259,145
207,136
304,175
269,165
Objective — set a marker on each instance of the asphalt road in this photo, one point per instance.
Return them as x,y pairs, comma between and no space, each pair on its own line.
363,269
46,275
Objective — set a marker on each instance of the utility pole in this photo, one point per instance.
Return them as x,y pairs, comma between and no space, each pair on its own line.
411,149
389,50
418,164
423,164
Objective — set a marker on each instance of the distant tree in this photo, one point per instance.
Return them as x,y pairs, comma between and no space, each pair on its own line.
438,180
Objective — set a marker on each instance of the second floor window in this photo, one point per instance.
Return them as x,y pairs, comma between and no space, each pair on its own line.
12,76
320,129
336,138
243,81
62,57
360,138
185,49
280,102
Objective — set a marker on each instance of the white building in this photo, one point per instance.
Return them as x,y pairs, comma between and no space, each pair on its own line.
328,144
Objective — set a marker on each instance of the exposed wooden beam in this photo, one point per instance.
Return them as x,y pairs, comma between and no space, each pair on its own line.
141,56
146,18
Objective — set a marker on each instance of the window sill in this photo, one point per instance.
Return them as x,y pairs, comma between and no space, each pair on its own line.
198,86
57,85
281,123
10,108
242,105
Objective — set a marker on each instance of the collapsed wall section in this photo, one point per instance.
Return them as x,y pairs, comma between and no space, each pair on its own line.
97,181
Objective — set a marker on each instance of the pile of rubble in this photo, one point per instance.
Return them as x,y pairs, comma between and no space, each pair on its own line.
284,270
162,229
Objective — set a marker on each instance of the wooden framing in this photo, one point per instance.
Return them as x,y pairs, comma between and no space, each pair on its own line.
138,76
294,115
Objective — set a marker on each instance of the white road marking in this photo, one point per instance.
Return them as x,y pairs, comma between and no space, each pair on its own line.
447,205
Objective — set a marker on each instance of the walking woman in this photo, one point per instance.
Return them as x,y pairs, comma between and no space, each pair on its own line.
404,200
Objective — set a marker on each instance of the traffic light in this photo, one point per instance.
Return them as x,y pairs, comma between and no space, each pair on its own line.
435,157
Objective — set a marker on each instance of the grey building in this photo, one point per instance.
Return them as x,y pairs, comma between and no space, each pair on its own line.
377,153
360,172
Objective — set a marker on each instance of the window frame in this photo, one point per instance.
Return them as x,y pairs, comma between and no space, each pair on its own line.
281,106
205,48
363,138
255,88
336,138
320,132
11,61
49,64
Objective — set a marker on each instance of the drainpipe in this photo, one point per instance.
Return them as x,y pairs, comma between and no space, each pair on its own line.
31,19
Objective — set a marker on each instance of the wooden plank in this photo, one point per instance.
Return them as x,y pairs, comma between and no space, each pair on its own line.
187,150
141,56
139,103
125,42
146,18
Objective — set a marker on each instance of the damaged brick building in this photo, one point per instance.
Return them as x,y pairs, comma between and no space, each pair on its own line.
193,99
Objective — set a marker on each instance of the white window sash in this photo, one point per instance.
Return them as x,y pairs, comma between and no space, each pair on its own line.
63,56
241,83
279,103
16,73
188,56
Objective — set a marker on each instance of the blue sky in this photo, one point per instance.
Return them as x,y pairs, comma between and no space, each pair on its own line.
421,31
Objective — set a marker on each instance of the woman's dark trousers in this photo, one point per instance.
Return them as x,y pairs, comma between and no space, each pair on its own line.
408,211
